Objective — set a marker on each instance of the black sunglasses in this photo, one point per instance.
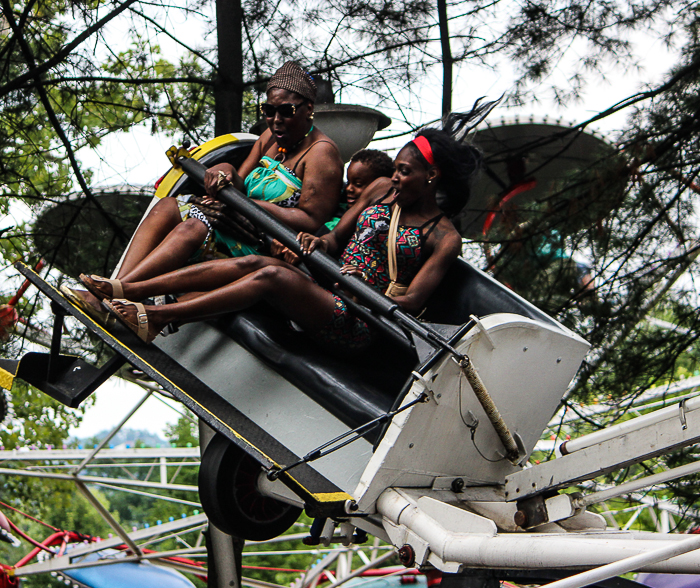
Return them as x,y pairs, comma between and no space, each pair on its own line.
286,110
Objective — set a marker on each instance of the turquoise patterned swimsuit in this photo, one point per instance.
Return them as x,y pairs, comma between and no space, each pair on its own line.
269,182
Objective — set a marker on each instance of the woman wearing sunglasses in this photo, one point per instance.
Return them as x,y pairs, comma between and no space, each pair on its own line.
294,171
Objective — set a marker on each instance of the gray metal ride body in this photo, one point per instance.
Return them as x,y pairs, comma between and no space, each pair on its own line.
422,453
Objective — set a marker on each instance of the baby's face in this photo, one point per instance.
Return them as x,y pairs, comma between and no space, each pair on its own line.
360,176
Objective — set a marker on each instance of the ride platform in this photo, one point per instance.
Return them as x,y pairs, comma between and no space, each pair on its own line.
70,380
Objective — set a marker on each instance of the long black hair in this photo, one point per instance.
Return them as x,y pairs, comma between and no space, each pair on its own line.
457,159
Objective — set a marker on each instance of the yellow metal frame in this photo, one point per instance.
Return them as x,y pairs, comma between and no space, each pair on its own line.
171,178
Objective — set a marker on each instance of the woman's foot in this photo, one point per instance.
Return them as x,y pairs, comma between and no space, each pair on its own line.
139,318
102,288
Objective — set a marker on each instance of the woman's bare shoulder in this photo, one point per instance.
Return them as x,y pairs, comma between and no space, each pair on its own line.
446,237
265,142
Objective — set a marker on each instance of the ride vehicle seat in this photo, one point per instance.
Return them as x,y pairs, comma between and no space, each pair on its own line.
364,386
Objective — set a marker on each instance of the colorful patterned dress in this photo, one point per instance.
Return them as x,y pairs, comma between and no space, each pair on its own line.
367,250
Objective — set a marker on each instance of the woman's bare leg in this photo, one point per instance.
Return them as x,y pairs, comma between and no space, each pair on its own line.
171,254
162,219
284,287
199,278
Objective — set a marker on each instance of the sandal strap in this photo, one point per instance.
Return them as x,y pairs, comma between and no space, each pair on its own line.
141,321
140,327
117,290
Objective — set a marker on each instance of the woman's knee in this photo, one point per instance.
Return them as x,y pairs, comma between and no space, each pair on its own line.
253,263
193,231
163,217
273,277
166,207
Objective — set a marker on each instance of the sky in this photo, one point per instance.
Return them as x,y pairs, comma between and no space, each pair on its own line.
137,158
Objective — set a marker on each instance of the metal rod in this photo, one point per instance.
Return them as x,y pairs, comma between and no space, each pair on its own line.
151,495
107,516
112,433
634,485
99,480
492,412
195,551
626,565
55,343
318,453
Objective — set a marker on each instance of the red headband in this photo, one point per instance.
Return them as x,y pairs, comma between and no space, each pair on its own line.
424,147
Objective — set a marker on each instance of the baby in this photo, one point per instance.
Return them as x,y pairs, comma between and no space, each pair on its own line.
365,166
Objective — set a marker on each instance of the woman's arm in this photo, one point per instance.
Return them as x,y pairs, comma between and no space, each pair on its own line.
236,177
447,245
320,191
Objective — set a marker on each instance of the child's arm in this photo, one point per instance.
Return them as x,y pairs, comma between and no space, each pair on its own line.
334,241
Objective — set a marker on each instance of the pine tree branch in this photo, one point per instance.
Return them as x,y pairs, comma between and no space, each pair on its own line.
134,81
55,123
38,70
174,38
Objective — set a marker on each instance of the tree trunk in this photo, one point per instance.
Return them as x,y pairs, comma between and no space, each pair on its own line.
228,85
446,57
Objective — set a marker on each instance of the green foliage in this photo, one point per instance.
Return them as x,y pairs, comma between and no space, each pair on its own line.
38,420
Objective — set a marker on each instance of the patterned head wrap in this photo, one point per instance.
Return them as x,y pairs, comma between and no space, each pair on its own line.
293,78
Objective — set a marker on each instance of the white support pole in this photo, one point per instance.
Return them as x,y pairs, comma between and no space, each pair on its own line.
634,485
635,424
107,516
114,431
626,565
163,470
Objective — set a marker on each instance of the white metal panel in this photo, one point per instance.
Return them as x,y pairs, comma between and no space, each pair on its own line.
266,398
526,371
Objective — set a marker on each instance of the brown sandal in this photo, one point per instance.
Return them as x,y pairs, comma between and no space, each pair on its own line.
140,327
117,290
101,317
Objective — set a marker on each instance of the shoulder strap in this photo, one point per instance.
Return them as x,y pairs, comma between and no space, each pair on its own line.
435,220
391,242
294,169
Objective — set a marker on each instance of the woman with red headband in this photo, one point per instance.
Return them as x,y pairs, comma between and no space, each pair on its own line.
395,237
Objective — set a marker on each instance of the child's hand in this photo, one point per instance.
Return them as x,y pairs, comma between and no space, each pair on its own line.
310,243
350,270
281,252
